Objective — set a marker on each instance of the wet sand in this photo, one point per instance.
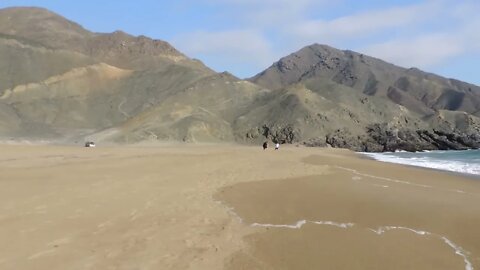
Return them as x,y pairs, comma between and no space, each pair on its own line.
230,207
360,214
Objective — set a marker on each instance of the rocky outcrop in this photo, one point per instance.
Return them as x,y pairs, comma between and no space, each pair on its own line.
275,133
381,138
285,134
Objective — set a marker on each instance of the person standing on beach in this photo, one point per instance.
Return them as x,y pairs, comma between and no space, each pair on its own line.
265,145
277,145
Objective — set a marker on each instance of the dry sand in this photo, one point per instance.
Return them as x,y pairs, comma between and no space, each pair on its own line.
230,207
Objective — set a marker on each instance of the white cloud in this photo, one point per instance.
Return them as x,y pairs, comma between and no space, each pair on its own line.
425,34
248,44
267,13
236,46
362,24
422,52
428,50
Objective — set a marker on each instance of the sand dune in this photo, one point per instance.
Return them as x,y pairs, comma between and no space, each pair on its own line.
229,207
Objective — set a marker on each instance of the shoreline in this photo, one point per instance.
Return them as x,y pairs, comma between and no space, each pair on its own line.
278,222
194,207
455,173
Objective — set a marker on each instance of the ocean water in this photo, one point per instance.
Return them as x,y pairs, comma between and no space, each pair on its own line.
466,162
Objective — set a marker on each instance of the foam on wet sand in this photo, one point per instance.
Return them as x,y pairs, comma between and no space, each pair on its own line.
427,219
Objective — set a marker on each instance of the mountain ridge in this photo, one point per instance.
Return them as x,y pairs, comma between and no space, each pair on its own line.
337,65
61,82
424,95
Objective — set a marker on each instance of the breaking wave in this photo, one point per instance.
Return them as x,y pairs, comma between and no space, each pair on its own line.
466,162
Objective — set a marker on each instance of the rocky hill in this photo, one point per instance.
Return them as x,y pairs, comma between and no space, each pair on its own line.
62,83
416,90
373,105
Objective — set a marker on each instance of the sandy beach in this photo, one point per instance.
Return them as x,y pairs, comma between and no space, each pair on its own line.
230,207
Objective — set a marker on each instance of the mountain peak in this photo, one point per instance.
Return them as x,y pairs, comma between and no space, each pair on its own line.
20,18
41,25
294,67
45,28
412,88
30,10
317,46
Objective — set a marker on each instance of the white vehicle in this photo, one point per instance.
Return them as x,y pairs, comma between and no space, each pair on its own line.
89,144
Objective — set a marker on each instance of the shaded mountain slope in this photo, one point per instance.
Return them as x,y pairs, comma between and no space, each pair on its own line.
201,112
71,101
22,62
63,83
417,90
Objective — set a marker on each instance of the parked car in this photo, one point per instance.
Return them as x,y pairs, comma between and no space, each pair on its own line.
89,144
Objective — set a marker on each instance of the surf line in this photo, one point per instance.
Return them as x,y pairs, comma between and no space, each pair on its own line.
299,224
458,250
358,178
381,178
379,231
355,172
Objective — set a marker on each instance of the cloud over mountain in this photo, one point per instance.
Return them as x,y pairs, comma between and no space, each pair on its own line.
383,30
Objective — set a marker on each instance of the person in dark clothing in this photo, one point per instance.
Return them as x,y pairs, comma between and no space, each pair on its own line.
265,145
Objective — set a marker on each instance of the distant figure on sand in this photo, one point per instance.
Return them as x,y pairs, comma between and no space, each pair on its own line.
277,145
265,145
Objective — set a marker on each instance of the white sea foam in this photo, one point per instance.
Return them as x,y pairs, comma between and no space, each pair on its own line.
458,250
356,178
382,186
379,231
336,224
382,230
424,160
382,178
299,224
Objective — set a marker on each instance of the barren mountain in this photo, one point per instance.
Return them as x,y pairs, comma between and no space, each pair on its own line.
49,30
417,90
62,83
373,105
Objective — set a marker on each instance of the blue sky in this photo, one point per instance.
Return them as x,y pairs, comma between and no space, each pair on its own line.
246,36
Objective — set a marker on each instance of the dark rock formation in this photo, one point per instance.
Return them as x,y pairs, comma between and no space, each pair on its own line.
381,138
280,134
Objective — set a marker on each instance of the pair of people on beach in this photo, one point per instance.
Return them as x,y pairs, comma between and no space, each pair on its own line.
265,146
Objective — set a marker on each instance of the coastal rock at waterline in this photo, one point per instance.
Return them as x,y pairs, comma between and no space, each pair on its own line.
381,139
